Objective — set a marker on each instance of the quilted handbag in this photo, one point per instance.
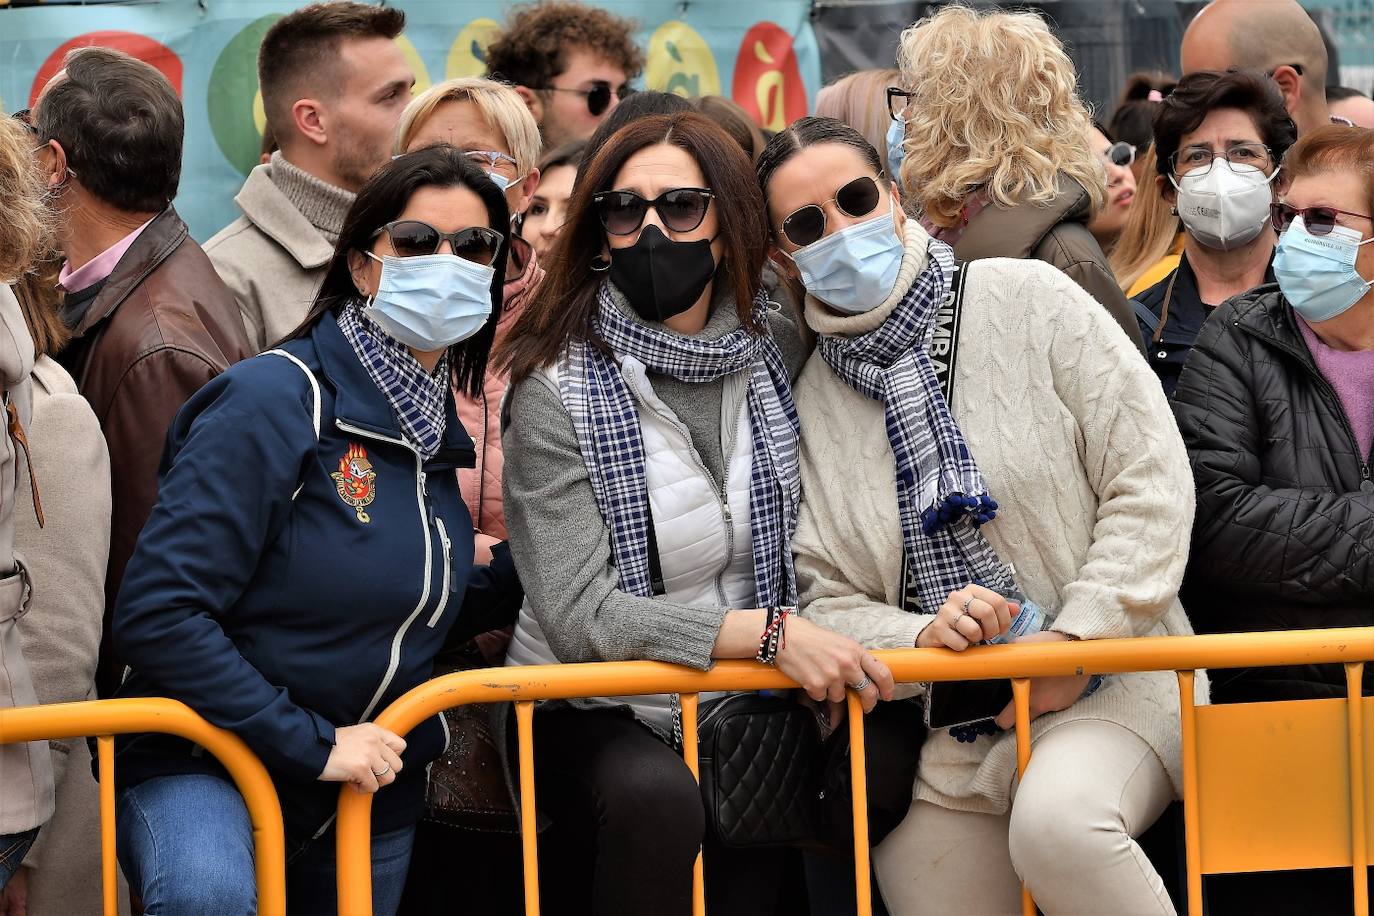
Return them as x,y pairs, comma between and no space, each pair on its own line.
760,770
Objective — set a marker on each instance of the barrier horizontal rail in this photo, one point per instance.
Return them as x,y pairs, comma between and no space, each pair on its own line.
527,685
106,718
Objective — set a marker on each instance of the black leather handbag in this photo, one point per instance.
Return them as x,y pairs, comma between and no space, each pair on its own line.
761,768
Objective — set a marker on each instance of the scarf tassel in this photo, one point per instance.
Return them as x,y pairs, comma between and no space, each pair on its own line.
980,509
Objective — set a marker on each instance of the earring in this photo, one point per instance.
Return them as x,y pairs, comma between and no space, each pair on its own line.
601,264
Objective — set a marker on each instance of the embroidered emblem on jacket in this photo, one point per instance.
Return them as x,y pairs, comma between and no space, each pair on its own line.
356,481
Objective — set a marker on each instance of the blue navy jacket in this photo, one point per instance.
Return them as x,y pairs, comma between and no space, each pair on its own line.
285,586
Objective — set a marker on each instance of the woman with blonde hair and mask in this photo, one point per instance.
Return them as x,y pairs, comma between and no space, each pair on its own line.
997,157
1038,400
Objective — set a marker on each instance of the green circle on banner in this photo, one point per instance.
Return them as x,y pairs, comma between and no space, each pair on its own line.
230,99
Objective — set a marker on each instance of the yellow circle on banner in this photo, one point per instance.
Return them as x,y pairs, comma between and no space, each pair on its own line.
680,61
468,56
412,57
259,113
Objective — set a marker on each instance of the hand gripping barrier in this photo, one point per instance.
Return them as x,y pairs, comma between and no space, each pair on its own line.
1233,756
107,718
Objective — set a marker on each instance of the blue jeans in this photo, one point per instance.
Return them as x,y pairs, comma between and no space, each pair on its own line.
13,848
186,846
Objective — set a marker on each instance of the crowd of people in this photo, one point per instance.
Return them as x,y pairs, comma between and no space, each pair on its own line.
532,369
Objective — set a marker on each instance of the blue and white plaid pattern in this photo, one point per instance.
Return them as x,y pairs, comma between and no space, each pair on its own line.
941,495
415,396
607,423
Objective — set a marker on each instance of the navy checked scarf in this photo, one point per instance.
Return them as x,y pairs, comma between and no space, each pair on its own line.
607,423
415,396
941,495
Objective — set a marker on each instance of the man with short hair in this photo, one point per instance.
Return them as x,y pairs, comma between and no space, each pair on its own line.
570,63
151,321
333,85
1277,37
1351,105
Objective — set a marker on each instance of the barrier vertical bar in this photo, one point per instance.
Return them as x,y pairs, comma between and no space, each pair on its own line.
1020,694
1192,842
687,703
1359,855
858,775
529,834
108,867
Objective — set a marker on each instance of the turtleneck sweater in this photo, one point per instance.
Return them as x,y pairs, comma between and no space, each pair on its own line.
320,202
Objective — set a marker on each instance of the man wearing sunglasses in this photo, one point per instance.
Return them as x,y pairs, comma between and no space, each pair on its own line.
571,63
333,84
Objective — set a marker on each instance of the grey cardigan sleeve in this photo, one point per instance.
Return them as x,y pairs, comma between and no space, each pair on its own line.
562,549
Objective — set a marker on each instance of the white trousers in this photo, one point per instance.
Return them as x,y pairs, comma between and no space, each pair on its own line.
1091,788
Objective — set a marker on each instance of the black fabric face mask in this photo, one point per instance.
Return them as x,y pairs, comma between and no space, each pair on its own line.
661,277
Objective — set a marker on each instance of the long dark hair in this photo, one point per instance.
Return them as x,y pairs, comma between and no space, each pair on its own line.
812,131
563,306
382,200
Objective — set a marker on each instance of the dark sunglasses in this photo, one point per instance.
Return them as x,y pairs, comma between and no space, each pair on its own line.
680,209
1120,154
807,224
894,108
1317,220
599,96
411,238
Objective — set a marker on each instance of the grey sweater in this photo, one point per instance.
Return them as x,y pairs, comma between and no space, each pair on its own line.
560,541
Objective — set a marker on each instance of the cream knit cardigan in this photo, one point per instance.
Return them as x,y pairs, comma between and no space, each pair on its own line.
1079,447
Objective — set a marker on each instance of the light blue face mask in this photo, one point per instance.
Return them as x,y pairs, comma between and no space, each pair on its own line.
853,270
896,149
501,181
431,302
1317,272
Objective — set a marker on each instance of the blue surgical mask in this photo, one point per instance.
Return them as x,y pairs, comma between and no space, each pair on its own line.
853,270
1317,272
431,302
896,148
501,181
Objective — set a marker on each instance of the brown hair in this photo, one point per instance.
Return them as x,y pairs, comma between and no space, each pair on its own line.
305,44
1200,93
1150,233
533,48
735,121
1334,148
563,305
38,301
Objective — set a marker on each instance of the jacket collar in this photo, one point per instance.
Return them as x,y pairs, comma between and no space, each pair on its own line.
153,246
1264,313
997,232
359,403
267,208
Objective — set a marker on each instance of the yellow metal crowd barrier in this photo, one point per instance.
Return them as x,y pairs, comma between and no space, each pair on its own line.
107,718
1243,810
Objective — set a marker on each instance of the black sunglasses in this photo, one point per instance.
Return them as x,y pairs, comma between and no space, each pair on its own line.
411,238
1317,220
893,94
855,199
680,209
599,96
24,116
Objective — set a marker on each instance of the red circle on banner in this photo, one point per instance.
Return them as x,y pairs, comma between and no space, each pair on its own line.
768,82
131,43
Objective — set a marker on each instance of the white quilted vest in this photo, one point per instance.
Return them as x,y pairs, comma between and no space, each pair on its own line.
705,541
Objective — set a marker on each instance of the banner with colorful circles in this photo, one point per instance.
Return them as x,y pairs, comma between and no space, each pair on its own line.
762,54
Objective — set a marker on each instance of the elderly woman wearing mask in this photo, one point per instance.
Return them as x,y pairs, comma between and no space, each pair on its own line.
1220,139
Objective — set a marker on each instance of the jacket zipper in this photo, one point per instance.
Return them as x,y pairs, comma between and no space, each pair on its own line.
448,571
1329,395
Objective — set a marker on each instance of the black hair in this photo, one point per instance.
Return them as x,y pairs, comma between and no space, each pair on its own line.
811,131
1200,93
1341,93
636,106
382,200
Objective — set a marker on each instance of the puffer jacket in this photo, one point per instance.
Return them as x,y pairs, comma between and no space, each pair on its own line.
480,486
1284,536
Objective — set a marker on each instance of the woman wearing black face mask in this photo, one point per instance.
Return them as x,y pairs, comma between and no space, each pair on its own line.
651,488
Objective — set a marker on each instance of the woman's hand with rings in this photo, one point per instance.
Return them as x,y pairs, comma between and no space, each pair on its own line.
968,616
367,756
827,664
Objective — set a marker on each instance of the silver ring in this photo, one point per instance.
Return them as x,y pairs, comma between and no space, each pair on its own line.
858,688
968,603
385,770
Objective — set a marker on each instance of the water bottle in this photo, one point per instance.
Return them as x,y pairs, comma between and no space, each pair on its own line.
1030,619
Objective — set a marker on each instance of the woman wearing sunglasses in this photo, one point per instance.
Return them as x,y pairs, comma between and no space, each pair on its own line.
1052,487
1116,157
309,554
651,488
1220,138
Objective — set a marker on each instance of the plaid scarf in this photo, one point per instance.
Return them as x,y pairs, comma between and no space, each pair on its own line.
607,422
941,496
416,396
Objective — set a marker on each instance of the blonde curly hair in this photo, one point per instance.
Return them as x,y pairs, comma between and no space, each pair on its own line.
27,224
995,107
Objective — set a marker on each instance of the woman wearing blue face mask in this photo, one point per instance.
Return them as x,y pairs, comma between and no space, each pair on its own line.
985,457
309,554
